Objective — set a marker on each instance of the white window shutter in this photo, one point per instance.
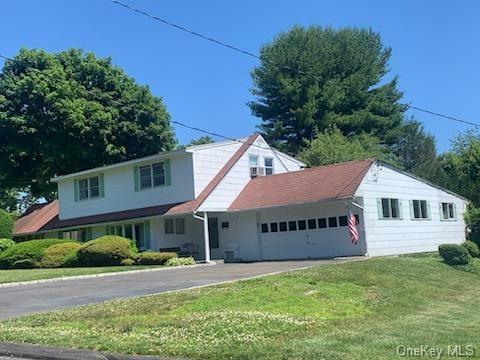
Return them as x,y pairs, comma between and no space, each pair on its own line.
412,215
400,209
429,210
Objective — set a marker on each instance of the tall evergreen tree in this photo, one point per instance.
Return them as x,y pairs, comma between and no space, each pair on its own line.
312,78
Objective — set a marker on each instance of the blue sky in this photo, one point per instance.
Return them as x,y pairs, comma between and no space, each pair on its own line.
435,50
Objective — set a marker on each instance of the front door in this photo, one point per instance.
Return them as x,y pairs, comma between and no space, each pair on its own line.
216,251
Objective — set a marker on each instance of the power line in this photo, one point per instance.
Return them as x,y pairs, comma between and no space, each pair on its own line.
245,52
184,29
443,116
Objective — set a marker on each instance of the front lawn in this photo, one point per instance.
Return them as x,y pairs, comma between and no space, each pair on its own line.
7,276
359,310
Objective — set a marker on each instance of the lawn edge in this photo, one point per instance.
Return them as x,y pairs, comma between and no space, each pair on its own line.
92,276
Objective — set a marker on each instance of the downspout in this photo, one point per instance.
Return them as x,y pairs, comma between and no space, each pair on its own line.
206,235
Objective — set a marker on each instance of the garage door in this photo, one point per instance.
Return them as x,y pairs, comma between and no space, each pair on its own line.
308,238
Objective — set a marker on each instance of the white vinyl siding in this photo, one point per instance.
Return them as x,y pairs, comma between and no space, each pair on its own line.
393,236
120,191
236,179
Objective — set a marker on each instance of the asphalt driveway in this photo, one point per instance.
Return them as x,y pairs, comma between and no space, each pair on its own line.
33,298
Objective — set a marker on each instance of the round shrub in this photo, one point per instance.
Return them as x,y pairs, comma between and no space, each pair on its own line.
107,250
32,251
181,261
454,254
6,224
60,255
472,248
154,258
6,243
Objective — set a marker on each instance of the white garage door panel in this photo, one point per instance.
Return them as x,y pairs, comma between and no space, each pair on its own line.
309,244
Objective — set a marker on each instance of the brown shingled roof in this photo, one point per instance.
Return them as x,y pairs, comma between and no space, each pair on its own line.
36,218
56,223
336,181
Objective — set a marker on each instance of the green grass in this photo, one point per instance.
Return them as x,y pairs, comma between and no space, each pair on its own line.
359,310
7,276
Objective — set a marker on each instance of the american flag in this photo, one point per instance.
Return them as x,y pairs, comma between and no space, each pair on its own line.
352,227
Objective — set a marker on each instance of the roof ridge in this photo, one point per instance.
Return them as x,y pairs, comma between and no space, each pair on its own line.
371,160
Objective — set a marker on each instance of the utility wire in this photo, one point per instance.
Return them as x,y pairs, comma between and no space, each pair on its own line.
245,52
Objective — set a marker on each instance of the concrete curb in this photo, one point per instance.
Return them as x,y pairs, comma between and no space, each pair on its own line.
91,276
38,352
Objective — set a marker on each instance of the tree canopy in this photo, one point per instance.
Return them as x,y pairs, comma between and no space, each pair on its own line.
331,146
312,78
70,111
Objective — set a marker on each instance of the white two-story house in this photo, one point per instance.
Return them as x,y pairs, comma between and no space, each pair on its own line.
243,200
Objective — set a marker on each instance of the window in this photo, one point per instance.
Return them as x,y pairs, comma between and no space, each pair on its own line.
152,175
273,227
268,166
119,230
264,228
174,226
332,222
390,209
302,225
169,226
88,188
419,209
76,235
292,226
253,164
312,224
180,226
342,220
283,226
83,189
139,235
448,211
129,231
322,223
132,231
357,218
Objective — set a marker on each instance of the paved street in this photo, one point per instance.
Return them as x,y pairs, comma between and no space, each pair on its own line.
26,299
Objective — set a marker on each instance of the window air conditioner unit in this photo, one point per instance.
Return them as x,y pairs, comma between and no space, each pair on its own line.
257,171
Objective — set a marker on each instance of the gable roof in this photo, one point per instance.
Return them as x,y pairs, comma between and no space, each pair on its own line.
191,206
36,218
336,181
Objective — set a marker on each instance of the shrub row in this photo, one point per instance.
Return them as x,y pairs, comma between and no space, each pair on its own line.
105,251
454,254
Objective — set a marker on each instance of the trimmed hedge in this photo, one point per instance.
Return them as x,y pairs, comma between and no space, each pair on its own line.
181,261
60,255
6,224
472,248
154,258
6,243
106,250
27,253
454,254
